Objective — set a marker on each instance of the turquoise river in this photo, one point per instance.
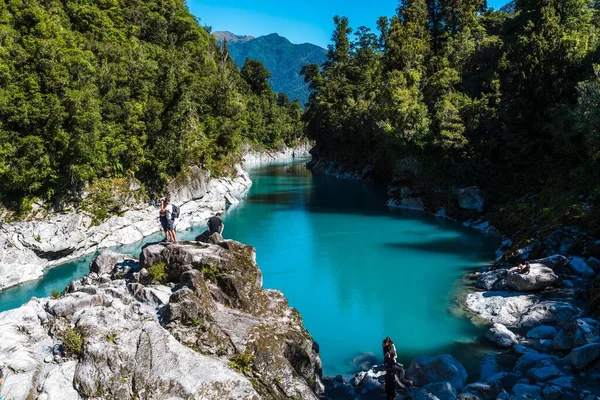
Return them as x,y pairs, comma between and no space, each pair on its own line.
355,270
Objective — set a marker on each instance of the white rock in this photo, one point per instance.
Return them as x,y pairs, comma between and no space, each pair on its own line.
502,307
500,335
539,277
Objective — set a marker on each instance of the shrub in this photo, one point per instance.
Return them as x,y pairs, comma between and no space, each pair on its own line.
209,272
241,362
55,294
73,341
157,272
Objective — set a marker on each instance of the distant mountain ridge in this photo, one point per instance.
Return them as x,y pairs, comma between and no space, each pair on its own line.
282,58
509,8
232,37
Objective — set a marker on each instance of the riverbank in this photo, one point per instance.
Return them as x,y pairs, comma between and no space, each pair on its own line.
28,248
541,321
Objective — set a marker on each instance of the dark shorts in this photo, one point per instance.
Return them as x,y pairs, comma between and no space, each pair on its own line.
171,225
163,223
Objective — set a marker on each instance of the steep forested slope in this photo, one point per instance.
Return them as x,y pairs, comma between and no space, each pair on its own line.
508,102
93,90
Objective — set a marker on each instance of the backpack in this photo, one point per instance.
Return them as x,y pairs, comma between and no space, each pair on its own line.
175,212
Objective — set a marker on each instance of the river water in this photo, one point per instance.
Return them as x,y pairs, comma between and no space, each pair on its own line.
355,270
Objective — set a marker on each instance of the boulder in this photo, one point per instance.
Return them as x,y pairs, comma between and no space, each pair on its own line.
583,356
190,184
538,278
500,335
577,333
483,390
505,308
544,374
580,267
493,280
524,391
549,312
470,198
445,368
594,263
542,332
556,262
439,390
106,262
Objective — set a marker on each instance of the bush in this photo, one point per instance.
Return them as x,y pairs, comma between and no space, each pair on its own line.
157,272
55,294
209,272
73,341
242,362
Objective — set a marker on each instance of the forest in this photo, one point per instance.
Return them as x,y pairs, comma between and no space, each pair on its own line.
97,90
507,101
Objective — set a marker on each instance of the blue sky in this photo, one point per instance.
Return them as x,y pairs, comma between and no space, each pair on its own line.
300,21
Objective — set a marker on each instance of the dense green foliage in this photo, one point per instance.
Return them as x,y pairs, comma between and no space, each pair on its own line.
111,88
504,101
283,59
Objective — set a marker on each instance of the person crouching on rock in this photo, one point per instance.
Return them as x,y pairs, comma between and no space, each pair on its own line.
215,224
163,218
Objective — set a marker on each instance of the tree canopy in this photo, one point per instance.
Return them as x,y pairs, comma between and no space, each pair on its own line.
111,88
480,96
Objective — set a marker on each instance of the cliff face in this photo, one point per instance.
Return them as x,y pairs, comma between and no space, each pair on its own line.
189,320
28,247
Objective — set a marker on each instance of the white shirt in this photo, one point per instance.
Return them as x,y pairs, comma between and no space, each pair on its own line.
169,209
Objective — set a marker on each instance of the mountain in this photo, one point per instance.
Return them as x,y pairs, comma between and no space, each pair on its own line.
509,8
282,58
231,37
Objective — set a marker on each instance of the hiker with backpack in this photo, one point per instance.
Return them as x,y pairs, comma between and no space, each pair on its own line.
171,212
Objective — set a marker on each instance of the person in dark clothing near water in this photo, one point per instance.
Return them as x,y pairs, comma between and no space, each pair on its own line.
163,218
395,375
215,224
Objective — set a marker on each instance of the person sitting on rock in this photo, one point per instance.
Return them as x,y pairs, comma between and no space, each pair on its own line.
521,269
215,224
391,364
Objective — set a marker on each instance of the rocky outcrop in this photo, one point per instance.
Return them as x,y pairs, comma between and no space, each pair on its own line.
28,248
251,157
538,278
201,327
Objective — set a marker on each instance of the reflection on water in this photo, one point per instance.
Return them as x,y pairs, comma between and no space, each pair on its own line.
356,271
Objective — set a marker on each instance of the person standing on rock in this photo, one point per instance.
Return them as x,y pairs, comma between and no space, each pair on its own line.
163,218
170,221
215,224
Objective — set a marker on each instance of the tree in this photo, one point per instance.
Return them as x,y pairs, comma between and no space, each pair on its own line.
256,75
